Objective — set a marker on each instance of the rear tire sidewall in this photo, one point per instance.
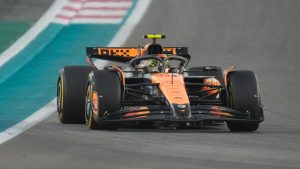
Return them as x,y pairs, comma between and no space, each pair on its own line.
71,93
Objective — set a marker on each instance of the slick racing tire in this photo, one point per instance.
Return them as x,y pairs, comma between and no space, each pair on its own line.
244,96
103,95
71,93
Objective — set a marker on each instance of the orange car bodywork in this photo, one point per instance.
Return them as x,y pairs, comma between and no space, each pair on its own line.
172,86
129,51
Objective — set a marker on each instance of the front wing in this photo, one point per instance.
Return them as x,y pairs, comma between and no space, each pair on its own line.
202,113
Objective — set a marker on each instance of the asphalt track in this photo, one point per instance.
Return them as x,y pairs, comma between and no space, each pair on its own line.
256,34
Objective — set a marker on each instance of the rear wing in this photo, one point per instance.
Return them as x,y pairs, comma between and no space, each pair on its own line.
125,54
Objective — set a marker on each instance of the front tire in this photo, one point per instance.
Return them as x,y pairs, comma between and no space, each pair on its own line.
244,96
103,95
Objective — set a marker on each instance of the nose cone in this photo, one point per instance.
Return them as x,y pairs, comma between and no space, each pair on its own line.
173,88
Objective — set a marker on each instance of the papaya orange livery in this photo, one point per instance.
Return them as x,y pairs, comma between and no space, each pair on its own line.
125,54
172,86
155,86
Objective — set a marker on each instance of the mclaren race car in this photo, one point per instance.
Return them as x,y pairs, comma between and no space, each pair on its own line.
151,86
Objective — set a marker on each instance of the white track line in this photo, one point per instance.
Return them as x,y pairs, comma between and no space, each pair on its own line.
124,33
118,40
129,25
32,33
96,21
27,123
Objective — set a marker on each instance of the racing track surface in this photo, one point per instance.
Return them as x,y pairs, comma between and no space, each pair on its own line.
255,34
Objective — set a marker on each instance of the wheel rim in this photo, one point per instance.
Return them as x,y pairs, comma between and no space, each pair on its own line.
88,106
60,98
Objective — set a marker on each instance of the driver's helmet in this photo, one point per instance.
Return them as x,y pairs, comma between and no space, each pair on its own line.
153,48
151,65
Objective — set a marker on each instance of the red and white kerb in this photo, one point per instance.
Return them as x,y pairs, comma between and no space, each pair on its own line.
93,11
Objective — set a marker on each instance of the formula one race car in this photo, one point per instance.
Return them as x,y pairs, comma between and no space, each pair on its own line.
155,89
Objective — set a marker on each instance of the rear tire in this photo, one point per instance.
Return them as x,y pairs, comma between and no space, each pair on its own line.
106,86
244,96
71,93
